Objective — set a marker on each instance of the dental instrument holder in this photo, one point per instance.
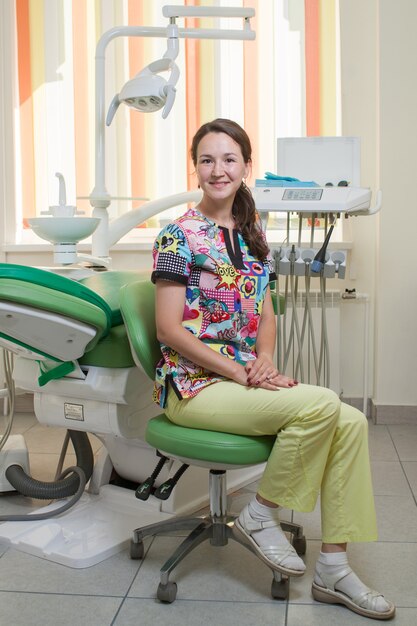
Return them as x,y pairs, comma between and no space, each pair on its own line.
334,265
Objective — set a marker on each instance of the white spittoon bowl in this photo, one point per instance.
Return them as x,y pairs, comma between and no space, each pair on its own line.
63,229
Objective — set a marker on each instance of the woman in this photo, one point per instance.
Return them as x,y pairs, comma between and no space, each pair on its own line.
216,325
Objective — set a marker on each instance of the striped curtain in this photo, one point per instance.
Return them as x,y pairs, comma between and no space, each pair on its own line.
286,83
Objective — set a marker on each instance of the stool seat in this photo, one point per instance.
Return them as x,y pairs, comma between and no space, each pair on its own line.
207,445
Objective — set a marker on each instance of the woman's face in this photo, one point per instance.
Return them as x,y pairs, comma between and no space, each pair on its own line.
220,166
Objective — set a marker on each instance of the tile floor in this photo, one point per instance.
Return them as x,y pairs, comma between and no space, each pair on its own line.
217,586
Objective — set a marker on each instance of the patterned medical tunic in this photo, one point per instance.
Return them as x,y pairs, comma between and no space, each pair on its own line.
225,290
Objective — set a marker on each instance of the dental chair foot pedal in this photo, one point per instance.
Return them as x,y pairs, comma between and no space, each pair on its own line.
146,488
14,452
164,491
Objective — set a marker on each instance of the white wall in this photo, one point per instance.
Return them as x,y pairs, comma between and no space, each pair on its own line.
396,276
379,51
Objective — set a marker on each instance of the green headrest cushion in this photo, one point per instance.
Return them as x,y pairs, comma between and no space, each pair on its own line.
58,283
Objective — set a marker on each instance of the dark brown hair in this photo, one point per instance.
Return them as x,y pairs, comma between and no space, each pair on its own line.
244,210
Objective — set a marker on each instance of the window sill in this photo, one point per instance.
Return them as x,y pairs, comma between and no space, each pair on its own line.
142,241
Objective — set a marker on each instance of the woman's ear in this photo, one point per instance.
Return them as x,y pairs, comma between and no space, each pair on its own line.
248,169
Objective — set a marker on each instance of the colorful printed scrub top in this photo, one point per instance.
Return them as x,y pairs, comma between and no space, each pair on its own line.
226,287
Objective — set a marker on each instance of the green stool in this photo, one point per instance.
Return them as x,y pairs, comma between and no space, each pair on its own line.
215,451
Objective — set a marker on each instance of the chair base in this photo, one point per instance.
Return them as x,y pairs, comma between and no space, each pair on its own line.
216,527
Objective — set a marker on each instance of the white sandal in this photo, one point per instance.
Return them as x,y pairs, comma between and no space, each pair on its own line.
364,603
273,556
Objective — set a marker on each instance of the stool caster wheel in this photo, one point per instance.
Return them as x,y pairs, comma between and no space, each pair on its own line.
167,593
280,589
136,550
300,544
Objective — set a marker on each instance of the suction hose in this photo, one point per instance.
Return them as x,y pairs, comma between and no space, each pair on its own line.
32,488
320,258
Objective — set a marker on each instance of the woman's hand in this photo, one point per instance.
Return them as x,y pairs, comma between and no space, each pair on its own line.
262,373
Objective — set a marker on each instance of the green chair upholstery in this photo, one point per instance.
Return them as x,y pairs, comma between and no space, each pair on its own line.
49,318
113,350
214,450
93,301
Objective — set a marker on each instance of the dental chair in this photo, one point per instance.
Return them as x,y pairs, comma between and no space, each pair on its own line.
215,451
72,352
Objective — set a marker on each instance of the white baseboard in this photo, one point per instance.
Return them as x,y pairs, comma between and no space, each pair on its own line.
393,413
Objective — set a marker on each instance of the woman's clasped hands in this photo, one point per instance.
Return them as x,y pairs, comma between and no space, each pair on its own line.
261,372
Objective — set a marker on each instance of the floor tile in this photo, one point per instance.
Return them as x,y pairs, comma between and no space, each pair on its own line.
24,609
49,439
381,446
44,439
327,615
22,422
3,547
410,468
201,613
389,479
311,522
396,518
111,577
44,466
229,573
404,437
217,585
391,568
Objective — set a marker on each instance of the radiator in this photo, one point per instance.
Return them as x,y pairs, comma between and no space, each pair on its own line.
332,365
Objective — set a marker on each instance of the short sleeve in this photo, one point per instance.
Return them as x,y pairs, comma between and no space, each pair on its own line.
172,256
270,264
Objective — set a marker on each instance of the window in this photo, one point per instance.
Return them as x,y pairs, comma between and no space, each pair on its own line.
286,83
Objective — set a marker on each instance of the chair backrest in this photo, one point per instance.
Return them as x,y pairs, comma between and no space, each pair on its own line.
137,304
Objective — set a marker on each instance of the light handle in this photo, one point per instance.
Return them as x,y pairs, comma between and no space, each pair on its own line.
114,105
169,91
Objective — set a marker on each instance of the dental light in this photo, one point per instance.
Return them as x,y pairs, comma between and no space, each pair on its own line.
148,91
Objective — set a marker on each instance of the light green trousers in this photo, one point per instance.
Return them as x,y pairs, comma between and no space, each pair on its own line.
321,447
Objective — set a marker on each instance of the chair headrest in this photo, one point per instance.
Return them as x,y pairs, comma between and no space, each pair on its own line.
58,283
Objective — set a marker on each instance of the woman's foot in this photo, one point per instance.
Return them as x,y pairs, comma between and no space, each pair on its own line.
335,583
260,526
